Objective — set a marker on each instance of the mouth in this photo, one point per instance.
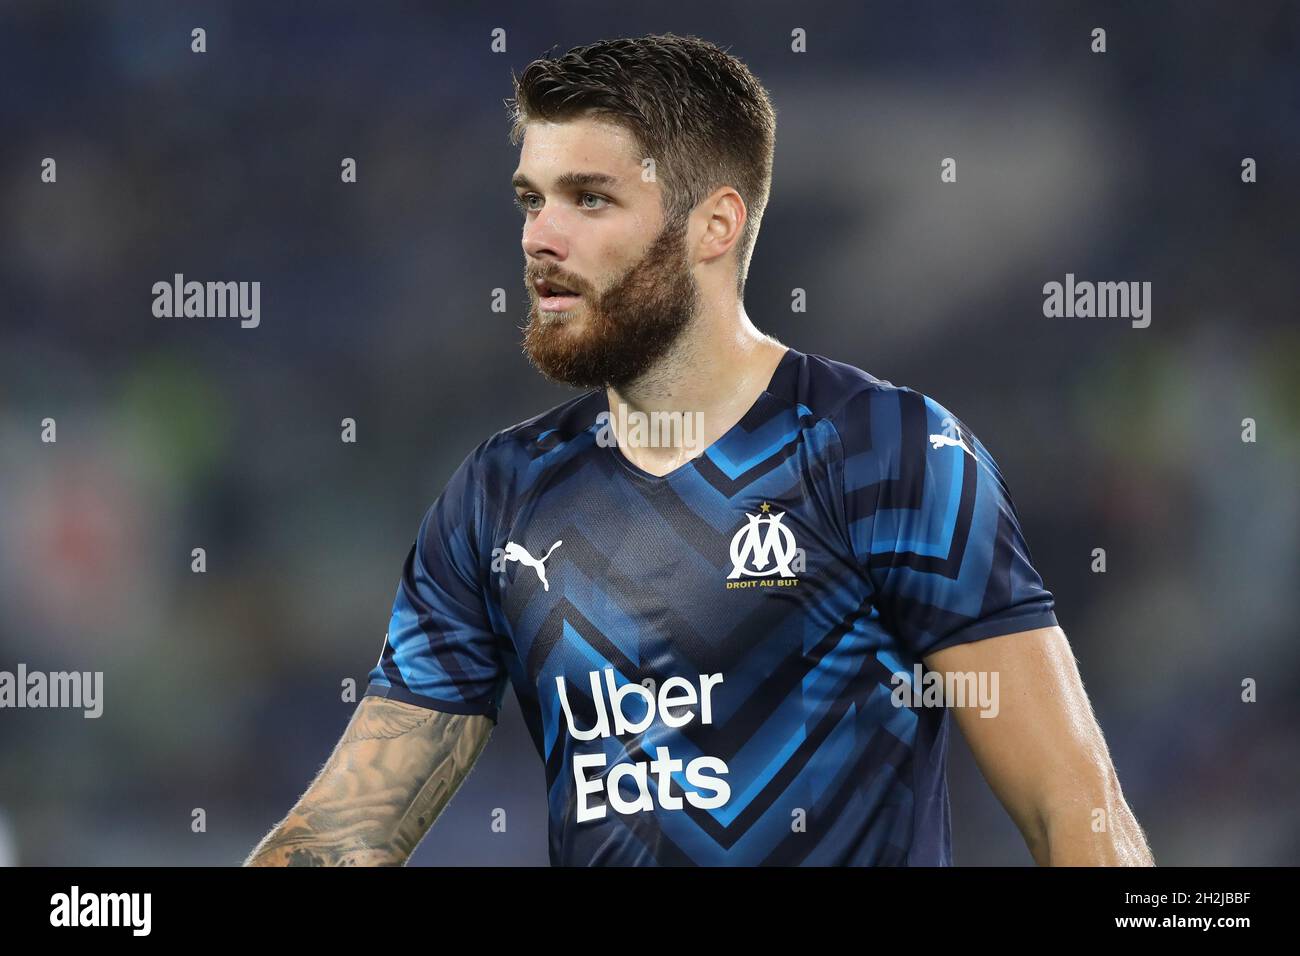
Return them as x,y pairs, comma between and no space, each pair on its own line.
554,297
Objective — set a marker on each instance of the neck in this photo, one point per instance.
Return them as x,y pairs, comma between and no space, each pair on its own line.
714,372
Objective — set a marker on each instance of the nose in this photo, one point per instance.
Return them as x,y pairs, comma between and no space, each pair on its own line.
544,236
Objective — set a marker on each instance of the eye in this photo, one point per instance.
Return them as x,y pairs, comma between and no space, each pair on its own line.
585,196
521,202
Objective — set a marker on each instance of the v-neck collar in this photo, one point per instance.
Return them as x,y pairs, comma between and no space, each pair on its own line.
689,467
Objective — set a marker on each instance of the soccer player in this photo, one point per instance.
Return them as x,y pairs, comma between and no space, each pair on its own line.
736,588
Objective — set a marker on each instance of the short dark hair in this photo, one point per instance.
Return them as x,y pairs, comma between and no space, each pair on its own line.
696,109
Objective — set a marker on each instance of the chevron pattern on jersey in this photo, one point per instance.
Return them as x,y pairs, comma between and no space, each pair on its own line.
706,660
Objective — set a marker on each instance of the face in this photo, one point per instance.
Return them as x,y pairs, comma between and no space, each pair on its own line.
617,289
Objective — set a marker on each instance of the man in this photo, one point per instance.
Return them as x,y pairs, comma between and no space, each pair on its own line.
714,637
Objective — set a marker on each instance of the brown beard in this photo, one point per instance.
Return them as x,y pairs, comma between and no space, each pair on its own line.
629,325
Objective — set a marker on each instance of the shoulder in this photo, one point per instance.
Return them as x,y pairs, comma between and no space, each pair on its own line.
493,474
511,452
870,416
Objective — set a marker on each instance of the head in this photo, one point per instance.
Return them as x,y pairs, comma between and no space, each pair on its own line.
645,166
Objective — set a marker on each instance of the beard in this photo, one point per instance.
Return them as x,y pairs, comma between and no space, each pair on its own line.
616,335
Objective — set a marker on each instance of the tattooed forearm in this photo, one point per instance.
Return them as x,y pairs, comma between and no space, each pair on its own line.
391,774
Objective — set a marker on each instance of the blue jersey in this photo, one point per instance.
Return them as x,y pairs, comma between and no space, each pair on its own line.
706,660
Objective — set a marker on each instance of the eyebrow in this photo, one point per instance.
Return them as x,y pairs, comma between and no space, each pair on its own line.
570,180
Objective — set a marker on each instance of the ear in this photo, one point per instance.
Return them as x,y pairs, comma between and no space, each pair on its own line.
726,214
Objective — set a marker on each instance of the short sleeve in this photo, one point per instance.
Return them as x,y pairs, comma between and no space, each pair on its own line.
440,651
934,527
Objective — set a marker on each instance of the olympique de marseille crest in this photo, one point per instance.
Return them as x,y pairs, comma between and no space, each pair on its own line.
764,547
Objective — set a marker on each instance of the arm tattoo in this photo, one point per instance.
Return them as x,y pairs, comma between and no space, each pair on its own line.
391,774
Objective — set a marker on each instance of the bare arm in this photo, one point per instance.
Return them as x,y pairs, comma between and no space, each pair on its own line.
389,777
1043,754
